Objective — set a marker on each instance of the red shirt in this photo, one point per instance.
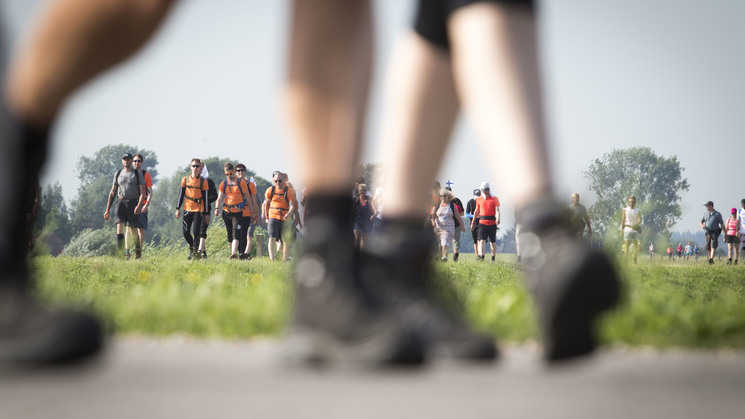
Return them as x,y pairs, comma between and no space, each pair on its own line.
487,207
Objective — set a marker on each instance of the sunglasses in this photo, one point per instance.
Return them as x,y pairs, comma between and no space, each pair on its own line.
240,170
194,165
136,161
278,181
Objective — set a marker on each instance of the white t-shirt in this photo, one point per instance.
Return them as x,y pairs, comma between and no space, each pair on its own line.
741,217
633,216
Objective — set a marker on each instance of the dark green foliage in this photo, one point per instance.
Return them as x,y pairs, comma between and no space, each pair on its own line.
90,243
107,160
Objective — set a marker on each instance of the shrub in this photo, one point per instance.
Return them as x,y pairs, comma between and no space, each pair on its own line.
90,243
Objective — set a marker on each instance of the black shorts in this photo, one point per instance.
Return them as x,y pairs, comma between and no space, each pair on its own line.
125,212
487,232
274,228
712,241
432,16
142,220
732,239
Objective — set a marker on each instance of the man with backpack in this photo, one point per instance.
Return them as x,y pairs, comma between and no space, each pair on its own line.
279,202
211,198
233,196
129,186
456,237
250,215
194,195
137,162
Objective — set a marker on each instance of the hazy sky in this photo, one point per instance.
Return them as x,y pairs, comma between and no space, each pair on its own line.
663,74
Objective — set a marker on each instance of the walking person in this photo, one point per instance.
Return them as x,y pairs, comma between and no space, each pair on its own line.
741,218
473,222
631,221
279,201
250,216
201,249
487,211
129,188
137,163
364,216
232,197
713,224
446,220
580,219
732,236
688,251
194,196
651,251
458,204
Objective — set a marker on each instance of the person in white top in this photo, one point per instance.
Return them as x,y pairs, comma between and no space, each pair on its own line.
631,226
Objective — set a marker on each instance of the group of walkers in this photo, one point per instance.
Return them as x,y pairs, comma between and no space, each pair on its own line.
733,228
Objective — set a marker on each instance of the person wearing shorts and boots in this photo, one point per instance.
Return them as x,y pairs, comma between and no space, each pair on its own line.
194,195
470,208
233,197
279,202
741,219
713,224
487,211
630,227
129,187
732,236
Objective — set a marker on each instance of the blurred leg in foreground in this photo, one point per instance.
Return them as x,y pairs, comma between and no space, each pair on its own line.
72,41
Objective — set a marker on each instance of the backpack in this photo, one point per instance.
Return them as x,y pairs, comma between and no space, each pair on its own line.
284,193
212,192
225,185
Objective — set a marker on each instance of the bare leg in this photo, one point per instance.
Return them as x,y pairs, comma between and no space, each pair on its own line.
272,247
421,109
496,71
326,93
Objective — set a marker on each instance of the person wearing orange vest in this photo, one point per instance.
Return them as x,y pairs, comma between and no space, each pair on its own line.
194,195
279,202
250,216
487,211
233,196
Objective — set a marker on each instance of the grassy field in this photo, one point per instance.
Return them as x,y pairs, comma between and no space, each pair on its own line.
665,304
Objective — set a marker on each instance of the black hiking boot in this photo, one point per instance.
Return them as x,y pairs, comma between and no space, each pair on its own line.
338,318
571,283
202,254
455,257
31,334
399,264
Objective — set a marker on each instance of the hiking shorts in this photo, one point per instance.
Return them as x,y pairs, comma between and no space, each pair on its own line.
125,212
142,220
488,232
274,228
712,241
732,239
432,16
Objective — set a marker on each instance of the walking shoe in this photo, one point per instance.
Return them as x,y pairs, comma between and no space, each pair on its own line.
190,255
571,283
126,254
455,257
711,261
443,259
338,318
401,267
233,256
203,254
492,258
243,256
33,334
138,253
729,262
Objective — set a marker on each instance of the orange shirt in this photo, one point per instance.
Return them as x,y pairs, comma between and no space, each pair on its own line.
279,205
487,207
195,191
252,192
233,193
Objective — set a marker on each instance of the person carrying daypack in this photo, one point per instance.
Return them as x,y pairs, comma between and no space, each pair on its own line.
279,202
232,196
129,187
195,197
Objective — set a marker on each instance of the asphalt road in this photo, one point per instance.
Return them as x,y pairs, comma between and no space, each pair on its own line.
179,378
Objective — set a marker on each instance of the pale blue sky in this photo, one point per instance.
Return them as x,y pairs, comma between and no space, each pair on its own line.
663,74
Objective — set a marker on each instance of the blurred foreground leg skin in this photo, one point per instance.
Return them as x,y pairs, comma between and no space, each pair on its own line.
337,318
72,41
494,56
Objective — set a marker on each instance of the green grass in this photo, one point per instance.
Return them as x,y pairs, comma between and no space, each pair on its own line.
665,304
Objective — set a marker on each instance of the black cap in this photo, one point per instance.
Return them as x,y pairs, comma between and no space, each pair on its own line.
477,192
127,156
709,203
448,188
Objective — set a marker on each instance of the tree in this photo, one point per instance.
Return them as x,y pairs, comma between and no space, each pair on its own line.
657,182
52,218
371,172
